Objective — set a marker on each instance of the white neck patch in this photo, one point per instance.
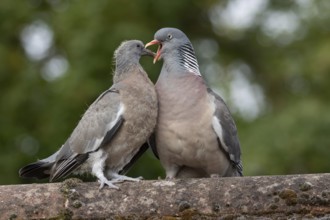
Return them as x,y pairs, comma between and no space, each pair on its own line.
188,59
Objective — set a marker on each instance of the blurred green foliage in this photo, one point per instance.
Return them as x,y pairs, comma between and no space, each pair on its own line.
283,52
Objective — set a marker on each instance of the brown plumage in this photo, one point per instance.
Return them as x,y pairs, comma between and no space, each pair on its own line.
113,132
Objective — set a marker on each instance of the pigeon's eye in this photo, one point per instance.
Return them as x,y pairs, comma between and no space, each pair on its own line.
138,45
169,36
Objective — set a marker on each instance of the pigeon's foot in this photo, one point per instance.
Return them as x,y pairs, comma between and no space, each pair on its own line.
169,178
215,175
98,168
109,183
171,172
116,178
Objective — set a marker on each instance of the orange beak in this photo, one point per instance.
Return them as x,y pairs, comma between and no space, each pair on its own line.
157,57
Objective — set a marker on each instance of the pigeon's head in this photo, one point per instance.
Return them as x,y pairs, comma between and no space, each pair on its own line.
131,51
175,48
168,40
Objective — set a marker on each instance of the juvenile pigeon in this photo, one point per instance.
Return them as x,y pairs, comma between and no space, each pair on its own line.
114,130
196,135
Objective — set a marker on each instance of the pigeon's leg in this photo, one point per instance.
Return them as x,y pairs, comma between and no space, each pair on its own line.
215,175
172,171
97,170
117,178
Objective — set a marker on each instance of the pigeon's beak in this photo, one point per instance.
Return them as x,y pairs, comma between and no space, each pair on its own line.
157,57
146,52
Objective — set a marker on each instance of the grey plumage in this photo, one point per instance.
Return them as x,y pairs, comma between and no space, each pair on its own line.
112,133
195,133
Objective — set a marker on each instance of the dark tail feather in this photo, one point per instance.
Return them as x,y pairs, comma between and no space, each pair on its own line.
65,167
39,170
239,168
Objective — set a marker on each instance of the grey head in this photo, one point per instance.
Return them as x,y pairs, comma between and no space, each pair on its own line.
176,50
127,56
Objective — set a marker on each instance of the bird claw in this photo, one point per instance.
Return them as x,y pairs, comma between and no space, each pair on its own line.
215,176
169,178
122,178
109,183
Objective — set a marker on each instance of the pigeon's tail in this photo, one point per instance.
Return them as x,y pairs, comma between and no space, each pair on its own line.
39,170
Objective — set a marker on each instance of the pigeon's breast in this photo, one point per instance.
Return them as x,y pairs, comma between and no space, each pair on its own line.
184,132
140,115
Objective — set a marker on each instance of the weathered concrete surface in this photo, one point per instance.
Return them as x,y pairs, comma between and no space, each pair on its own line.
262,197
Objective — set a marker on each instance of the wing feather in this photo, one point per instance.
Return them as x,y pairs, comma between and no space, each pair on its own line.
152,143
226,131
141,151
95,130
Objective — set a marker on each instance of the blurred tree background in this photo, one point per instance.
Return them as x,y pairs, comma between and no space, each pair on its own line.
270,60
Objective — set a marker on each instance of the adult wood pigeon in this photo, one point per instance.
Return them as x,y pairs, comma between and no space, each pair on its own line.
196,135
113,132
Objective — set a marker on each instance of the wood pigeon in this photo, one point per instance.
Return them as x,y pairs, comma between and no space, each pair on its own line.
113,132
195,135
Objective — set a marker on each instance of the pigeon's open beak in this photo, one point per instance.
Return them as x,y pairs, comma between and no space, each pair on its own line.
157,57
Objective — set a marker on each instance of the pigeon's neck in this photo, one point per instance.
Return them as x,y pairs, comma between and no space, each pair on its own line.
187,59
123,70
